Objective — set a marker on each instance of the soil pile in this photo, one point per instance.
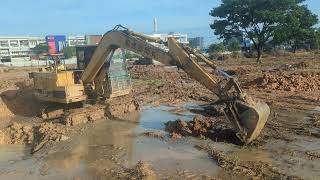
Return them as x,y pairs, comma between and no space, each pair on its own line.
121,107
305,81
36,136
17,134
142,170
252,169
168,85
48,133
198,127
4,110
84,115
19,101
301,65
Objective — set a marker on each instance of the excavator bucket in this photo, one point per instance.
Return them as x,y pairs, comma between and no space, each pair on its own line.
252,117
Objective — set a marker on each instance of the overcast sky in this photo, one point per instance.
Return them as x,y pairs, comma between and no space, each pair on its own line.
71,17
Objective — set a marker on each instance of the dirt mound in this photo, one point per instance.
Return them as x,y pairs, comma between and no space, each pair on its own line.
84,115
19,100
36,136
197,127
4,110
48,133
289,82
301,65
17,134
142,170
252,169
216,129
166,85
121,107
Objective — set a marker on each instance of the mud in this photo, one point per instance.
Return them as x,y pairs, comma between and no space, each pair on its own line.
84,115
198,127
305,81
35,136
202,127
254,170
92,142
121,107
166,85
142,170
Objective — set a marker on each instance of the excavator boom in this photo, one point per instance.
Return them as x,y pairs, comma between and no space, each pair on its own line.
246,115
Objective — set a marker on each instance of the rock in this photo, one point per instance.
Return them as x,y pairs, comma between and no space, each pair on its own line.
176,136
197,127
64,138
274,85
292,89
75,119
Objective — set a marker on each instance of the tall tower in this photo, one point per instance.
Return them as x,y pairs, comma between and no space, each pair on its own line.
155,25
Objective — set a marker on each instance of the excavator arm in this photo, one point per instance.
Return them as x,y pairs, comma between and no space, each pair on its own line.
246,115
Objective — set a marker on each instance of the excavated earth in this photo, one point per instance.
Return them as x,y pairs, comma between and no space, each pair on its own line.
112,140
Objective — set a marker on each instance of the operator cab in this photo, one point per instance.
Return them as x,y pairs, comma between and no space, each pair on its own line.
117,80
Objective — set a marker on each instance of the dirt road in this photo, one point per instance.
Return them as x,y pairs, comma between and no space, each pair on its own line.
288,148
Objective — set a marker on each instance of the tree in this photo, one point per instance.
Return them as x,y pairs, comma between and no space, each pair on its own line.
40,49
234,46
315,41
296,28
216,48
254,19
69,52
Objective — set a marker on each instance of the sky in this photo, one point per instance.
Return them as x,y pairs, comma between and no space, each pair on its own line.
76,17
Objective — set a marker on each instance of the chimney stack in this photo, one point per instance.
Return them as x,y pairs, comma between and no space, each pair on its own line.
155,25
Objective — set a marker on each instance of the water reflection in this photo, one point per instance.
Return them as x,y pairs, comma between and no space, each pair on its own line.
112,144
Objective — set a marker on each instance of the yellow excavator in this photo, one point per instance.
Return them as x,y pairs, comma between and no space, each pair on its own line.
247,116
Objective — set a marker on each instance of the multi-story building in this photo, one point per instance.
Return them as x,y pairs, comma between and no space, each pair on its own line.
93,39
81,40
18,46
78,40
197,42
182,38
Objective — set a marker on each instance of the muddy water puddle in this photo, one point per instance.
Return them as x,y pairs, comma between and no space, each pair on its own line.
109,145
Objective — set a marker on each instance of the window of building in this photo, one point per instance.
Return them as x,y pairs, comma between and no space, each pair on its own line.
24,43
4,52
14,43
4,43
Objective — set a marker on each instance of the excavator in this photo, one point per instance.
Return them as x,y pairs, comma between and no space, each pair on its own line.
247,116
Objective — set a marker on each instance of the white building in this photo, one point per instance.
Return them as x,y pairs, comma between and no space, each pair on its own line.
76,40
182,38
18,46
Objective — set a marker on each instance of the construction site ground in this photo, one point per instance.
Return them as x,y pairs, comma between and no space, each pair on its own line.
178,133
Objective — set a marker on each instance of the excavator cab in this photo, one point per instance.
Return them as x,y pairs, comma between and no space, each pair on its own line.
113,80
118,79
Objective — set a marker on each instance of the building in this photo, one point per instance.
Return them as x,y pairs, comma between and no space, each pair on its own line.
197,42
93,39
78,40
17,46
182,38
